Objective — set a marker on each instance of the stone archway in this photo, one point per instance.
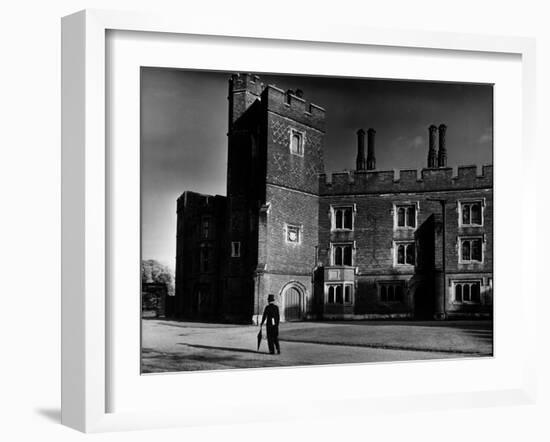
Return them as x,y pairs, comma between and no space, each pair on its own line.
293,296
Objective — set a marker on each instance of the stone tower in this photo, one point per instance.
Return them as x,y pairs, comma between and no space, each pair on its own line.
245,194
275,154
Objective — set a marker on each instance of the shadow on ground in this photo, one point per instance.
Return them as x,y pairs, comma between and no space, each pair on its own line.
172,346
51,414
211,347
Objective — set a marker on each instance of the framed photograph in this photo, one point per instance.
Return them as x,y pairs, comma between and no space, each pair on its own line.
330,214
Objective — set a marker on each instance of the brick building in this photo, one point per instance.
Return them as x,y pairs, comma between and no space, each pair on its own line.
356,245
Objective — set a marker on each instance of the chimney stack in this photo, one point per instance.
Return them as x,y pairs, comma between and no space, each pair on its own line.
371,159
442,154
432,155
360,162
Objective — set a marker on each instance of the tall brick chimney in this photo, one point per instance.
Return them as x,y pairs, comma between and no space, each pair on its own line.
361,163
432,154
371,159
442,154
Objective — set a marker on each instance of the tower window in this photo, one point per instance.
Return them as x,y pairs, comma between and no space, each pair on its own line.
405,253
405,216
235,249
296,142
206,227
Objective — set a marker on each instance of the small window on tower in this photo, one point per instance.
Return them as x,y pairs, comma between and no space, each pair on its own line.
206,227
235,249
296,142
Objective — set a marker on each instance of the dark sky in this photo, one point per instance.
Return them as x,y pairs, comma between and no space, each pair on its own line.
184,127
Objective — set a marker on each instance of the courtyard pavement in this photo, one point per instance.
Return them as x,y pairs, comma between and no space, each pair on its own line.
185,346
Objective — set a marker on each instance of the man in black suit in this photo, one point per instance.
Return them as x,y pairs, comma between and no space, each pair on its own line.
271,315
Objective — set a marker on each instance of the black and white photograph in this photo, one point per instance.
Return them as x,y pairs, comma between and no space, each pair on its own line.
305,220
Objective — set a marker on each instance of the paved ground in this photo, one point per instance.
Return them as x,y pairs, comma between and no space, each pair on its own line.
184,346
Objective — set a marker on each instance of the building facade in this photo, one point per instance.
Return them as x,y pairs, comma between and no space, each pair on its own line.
363,244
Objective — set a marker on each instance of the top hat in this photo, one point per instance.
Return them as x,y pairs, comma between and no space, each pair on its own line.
270,298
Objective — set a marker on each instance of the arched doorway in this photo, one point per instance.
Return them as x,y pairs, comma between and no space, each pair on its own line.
293,303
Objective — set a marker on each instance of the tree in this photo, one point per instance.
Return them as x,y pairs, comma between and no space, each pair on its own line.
154,271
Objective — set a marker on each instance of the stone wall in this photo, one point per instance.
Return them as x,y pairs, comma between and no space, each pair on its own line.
401,181
374,236
197,288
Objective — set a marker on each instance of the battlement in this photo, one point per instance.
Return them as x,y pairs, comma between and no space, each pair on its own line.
194,200
289,105
404,181
246,82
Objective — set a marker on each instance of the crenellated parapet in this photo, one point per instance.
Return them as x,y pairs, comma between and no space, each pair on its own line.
246,82
403,181
246,89
289,104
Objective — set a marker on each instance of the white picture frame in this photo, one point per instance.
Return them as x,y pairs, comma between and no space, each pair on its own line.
86,316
